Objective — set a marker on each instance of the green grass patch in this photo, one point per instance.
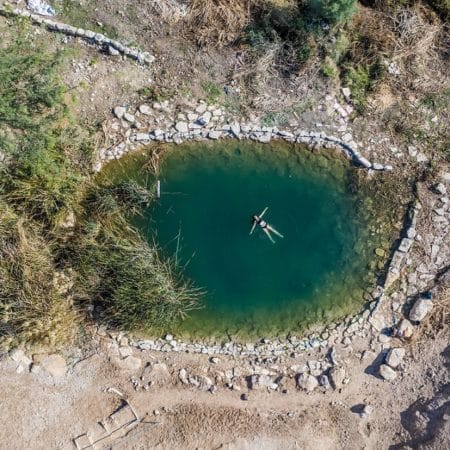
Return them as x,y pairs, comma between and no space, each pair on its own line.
212,91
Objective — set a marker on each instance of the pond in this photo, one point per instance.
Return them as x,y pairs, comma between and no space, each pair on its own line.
255,287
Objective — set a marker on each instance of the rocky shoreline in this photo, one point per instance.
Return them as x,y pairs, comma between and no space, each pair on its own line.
203,122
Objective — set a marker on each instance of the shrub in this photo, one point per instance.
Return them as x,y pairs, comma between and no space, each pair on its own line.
330,10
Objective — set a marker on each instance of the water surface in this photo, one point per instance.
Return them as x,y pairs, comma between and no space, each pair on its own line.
255,287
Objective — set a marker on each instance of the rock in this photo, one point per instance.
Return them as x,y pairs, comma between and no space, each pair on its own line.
182,127
395,356
55,365
214,360
145,109
125,351
307,382
19,356
380,252
440,189
235,129
244,397
337,376
215,134
157,374
346,93
129,117
405,245
206,117
201,108
324,381
142,137
183,376
387,373
205,383
113,51
119,111
259,381
366,412
265,138
364,162
420,309
131,363
421,157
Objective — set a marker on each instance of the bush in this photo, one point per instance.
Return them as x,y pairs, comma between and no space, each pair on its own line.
330,10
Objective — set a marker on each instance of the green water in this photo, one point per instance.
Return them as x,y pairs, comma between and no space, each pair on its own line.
254,287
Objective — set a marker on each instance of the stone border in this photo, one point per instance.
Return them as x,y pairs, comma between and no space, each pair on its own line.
200,129
112,46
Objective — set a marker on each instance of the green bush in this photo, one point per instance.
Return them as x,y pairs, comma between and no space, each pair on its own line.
330,10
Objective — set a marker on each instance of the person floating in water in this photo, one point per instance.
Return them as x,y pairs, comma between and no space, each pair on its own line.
257,220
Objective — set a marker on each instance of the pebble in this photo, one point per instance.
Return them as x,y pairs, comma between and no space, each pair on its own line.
145,109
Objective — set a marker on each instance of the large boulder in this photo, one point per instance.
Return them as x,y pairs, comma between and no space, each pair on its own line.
420,309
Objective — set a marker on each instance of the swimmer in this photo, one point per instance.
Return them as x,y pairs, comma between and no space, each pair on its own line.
257,220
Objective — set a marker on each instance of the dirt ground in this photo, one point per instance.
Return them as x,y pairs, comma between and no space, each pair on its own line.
42,412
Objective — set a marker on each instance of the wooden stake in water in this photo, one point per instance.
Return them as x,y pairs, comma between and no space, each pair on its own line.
158,189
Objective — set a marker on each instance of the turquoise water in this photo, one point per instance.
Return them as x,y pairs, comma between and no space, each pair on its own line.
254,287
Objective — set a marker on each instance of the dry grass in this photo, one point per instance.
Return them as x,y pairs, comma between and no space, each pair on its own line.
217,23
33,307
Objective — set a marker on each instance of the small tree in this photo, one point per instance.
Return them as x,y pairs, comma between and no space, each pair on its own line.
330,10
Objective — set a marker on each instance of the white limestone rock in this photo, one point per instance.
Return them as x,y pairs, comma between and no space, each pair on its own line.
395,357
387,372
420,309
119,111
182,127
307,382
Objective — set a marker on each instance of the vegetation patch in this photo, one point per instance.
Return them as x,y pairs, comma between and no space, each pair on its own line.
65,241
